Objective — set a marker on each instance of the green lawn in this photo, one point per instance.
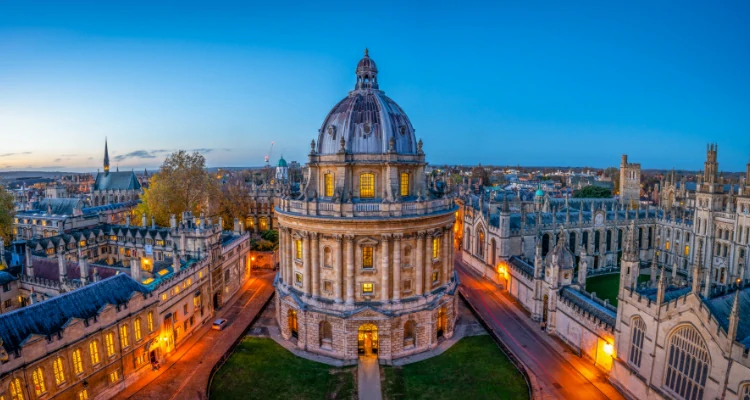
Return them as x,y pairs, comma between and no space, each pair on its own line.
606,286
473,369
261,369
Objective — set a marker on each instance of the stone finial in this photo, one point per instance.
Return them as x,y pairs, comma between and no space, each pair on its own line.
419,147
342,145
312,147
392,145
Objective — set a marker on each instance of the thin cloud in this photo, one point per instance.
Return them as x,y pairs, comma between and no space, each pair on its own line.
15,154
135,154
91,158
67,155
57,160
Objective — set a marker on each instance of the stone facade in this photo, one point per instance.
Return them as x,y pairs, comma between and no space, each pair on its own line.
366,250
630,181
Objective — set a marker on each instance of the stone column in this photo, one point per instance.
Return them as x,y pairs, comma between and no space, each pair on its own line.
428,264
306,264
349,269
339,273
289,258
420,264
384,291
282,255
397,268
315,264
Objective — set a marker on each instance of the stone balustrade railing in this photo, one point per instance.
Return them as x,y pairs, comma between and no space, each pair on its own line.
355,210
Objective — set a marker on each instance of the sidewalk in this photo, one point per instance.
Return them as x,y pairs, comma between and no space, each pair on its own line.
368,378
186,372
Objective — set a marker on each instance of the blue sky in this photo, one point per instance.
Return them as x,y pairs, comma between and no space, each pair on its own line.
537,83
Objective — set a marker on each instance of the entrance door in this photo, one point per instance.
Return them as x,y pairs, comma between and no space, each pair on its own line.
367,340
442,322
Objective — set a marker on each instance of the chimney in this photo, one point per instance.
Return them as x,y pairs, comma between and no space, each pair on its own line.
143,221
135,269
153,222
175,262
28,261
61,267
173,221
127,220
83,266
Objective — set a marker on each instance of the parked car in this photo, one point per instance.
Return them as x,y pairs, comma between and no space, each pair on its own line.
219,324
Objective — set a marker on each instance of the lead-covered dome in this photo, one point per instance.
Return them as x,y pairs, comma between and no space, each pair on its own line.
367,119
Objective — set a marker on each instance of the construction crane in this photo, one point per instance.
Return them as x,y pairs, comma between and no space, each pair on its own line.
268,157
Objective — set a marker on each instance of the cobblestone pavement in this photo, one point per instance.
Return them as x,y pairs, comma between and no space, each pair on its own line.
186,372
556,372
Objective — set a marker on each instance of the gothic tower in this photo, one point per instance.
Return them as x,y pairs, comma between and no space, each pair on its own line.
630,181
708,201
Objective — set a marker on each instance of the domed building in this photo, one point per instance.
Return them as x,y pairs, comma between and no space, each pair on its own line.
365,248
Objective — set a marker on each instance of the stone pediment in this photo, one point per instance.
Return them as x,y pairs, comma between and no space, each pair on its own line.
368,313
368,241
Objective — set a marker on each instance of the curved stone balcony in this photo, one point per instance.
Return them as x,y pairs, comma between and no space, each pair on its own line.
365,209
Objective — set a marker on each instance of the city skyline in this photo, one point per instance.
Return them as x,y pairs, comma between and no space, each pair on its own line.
531,85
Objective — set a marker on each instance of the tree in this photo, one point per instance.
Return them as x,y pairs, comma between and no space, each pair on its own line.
592,192
182,184
7,212
232,201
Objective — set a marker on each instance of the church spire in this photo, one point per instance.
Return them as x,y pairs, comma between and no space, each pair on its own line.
106,157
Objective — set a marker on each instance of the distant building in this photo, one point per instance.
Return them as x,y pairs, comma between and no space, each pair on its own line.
114,187
630,181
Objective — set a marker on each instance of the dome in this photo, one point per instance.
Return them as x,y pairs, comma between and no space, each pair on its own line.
367,119
282,162
539,193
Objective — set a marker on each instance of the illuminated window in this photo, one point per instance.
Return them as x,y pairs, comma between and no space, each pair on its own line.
687,250
110,338
298,249
59,370
137,329
367,186
367,288
638,332
164,296
83,395
666,246
263,222
328,180
150,321
77,362
114,376
404,184
82,243
124,340
435,247
40,387
94,350
367,257
16,393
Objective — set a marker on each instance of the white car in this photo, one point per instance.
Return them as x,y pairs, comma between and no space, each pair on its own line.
219,324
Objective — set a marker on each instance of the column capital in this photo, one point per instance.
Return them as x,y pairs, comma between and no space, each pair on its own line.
349,238
398,236
313,235
421,234
386,236
339,238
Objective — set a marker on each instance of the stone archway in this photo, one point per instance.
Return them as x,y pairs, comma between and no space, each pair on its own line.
292,317
367,340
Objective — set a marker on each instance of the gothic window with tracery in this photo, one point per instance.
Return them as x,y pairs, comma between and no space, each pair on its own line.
638,333
687,364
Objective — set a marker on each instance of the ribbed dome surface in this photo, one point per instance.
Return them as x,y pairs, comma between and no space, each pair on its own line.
367,119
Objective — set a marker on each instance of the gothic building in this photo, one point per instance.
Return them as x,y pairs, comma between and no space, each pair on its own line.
630,181
114,187
683,333
366,249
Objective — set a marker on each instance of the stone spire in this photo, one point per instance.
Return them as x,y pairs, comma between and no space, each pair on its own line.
106,158
630,249
538,258
661,287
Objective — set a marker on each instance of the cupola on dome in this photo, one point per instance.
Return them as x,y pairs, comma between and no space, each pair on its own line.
367,120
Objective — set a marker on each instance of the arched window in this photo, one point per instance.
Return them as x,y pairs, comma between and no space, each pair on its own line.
110,339
584,241
328,182
638,333
367,186
150,321
745,392
137,329
77,362
124,338
326,334
263,223
435,247
298,249
687,363
16,392
609,241
410,334
572,242
40,387
292,318
597,239
480,243
59,370
404,184
327,257
94,351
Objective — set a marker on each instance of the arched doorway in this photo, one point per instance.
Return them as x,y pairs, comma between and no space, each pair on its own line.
292,316
367,339
545,308
442,322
